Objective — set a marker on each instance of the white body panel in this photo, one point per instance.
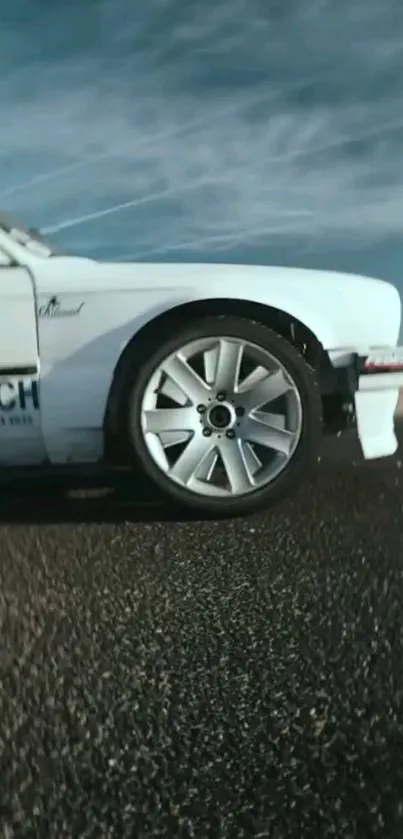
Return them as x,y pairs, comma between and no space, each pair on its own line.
18,334
98,307
20,419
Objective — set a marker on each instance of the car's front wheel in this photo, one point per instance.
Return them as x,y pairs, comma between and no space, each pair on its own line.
224,417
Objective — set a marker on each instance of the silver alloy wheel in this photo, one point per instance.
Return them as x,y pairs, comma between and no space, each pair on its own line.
221,417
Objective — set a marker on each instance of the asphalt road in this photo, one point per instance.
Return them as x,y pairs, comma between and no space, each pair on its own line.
168,678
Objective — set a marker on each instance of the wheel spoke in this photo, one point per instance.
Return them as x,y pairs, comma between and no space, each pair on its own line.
173,438
267,390
253,462
170,389
210,364
273,420
191,459
185,378
261,432
207,466
254,378
170,419
238,474
228,365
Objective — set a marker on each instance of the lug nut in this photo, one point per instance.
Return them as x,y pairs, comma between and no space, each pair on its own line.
201,409
221,396
207,432
240,411
230,434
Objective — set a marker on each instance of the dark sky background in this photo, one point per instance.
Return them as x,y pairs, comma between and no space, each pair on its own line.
259,130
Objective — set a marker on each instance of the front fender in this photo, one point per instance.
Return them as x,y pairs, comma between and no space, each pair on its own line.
341,311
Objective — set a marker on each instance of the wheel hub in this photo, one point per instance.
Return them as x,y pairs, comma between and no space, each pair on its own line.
220,416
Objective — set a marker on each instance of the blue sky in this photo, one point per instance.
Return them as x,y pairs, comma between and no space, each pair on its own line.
260,130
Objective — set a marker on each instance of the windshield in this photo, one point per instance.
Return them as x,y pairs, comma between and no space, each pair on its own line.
27,237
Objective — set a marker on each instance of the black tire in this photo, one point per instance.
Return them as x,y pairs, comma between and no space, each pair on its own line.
304,377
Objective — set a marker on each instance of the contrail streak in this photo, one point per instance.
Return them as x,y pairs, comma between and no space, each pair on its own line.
322,147
197,122
236,237
116,208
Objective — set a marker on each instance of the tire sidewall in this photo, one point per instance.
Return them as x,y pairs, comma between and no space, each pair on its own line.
303,376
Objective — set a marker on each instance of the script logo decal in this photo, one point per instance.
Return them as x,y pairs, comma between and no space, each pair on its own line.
54,309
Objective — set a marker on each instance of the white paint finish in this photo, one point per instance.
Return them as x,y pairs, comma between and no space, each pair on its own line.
376,401
399,406
78,357
4,258
21,437
375,410
18,334
78,354
381,381
341,310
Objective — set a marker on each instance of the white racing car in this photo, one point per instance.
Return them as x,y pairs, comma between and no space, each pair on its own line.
218,380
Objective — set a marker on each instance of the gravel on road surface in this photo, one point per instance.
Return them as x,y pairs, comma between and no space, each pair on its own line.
176,678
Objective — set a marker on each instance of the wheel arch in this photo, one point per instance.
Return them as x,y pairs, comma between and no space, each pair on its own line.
154,331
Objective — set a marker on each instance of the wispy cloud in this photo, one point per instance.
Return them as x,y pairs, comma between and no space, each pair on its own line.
190,127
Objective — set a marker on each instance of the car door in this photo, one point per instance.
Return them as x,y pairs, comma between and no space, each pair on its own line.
21,439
